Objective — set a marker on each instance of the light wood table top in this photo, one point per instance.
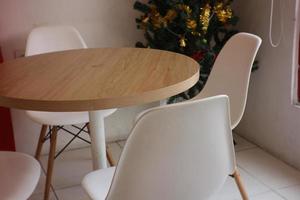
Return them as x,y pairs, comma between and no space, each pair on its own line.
94,79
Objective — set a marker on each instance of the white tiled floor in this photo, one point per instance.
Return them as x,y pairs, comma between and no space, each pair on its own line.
265,177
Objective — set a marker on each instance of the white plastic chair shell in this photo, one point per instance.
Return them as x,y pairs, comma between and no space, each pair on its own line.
230,74
174,152
63,118
19,175
48,39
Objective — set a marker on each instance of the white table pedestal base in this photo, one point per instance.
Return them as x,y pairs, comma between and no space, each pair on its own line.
97,134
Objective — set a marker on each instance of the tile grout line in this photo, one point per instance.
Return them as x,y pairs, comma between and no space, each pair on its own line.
69,186
269,192
282,188
285,187
118,141
277,159
279,194
119,145
255,178
260,181
271,154
248,148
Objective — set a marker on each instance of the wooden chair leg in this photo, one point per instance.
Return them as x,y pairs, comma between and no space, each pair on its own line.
51,157
110,158
238,180
88,127
108,153
41,141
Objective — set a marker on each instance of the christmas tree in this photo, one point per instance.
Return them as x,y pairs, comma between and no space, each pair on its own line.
196,28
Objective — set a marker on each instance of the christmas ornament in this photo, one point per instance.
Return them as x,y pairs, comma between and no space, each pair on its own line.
145,19
171,15
191,24
198,56
195,33
186,9
156,19
223,13
205,17
182,42
196,28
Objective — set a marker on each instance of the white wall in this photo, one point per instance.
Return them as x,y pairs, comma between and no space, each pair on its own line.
101,22
270,119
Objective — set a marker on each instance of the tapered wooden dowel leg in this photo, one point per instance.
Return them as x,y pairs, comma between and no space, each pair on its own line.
108,153
110,158
238,180
41,141
53,138
88,127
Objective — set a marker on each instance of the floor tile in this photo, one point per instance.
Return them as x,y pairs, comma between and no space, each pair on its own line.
41,195
230,190
65,137
70,167
290,193
268,169
72,193
267,196
260,173
122,143
223,198
41,184
241,143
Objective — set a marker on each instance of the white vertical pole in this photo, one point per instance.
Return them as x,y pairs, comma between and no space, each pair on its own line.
98,139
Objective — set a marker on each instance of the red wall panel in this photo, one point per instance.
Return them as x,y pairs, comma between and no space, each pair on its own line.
6,131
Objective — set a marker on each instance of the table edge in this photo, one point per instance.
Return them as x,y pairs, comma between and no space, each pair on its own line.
100,104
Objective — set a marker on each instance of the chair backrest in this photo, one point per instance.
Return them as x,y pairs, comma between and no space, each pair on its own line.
47,39
231,73
175,152
19,174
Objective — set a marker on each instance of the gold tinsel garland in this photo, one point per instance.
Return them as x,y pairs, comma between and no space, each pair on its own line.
171,15
191,24
182,41
157,20
223,13
205,17
185,8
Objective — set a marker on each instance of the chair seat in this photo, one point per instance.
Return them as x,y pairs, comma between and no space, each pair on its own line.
58,118
97,183
19,175
62,118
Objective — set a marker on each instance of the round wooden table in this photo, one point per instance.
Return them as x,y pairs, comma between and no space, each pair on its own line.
94,80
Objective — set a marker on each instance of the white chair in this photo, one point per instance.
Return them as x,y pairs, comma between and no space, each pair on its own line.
174,152
231,73
50,39
19,175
